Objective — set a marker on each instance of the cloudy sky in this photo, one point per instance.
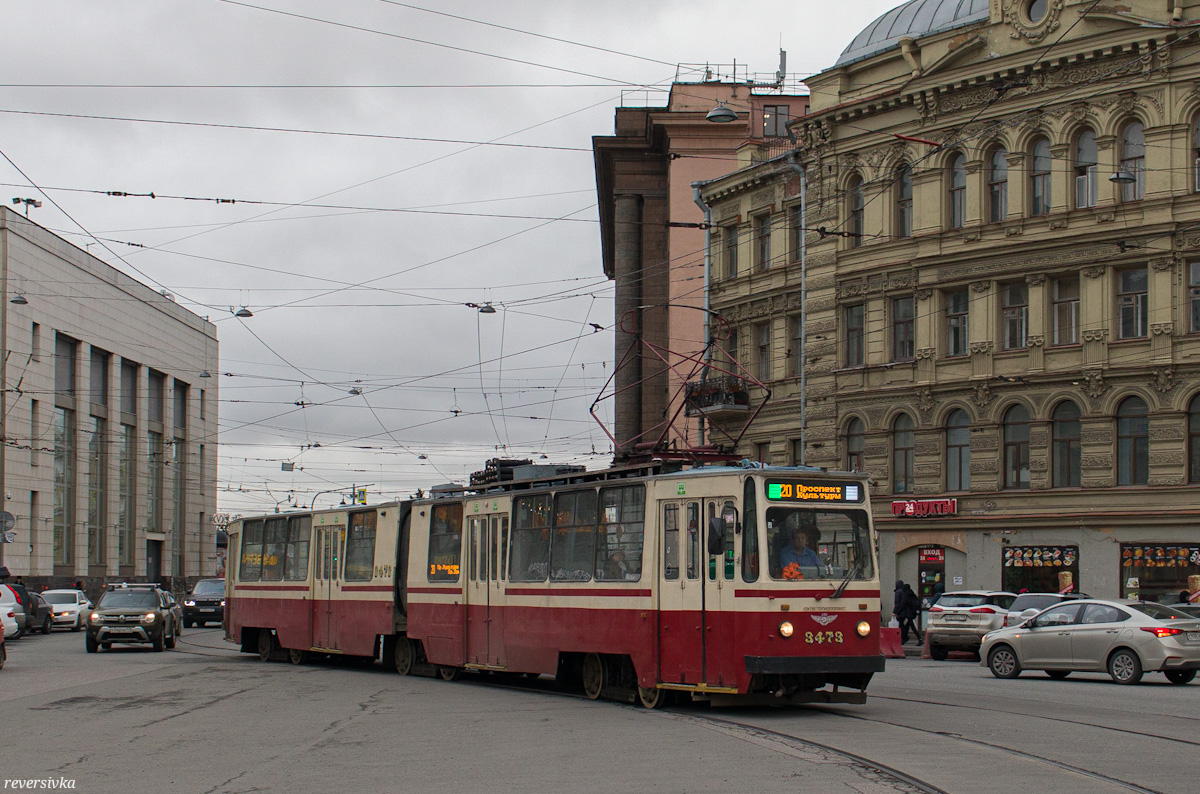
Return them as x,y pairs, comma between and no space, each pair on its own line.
387,163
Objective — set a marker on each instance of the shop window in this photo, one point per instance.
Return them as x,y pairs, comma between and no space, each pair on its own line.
1133,442
998,186
1158,571
1040,569
903,444
931,572
958,191
904,202
1133,161
1016,447
1065,449
856,443
1039,176
958,452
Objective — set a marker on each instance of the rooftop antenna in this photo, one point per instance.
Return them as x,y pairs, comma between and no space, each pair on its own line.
781,75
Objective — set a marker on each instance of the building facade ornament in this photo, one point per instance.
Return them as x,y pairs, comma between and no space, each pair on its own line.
1034,279
1162,329
1095,335
1035,340
981,348
1094,272
981,286
926,353
982,395
1164,379
1162,263
925,401
1095,387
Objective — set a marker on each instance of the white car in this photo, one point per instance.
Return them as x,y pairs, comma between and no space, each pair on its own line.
70,608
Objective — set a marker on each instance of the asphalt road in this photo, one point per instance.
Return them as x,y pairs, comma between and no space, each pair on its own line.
204,718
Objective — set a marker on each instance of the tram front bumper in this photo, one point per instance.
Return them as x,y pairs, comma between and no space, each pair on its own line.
813,665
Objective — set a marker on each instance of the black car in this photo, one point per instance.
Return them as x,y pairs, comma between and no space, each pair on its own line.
206,604
132,613
38,614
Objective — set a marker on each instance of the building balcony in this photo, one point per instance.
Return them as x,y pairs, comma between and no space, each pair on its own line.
717,398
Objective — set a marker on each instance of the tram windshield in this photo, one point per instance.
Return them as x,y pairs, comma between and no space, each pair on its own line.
808,543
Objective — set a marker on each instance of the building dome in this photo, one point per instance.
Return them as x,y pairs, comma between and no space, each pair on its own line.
914,19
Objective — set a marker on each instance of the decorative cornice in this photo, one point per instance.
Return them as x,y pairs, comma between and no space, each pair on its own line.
1095,334
1162,329
981,348
1035,340
1094,272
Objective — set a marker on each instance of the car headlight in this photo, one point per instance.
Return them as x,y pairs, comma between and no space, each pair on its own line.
863,628
786,629
149,617
222,602
94,617
189,603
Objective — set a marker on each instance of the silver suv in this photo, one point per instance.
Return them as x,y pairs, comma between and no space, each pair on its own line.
959,620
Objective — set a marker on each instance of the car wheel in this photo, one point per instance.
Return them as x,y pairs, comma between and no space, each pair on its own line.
157,642
1125,667
46,626
3,656
1058,675
296,656
1003,662
78,624
170,641
90,644
1181,676
20,633
937,652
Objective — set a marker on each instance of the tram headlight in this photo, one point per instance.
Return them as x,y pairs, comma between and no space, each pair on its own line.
785,629
863,628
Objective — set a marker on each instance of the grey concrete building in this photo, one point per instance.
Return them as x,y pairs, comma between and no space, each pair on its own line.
109,420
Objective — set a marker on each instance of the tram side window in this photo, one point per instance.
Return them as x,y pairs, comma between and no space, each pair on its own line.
693,540
671,542
573,547
621,532
295,566
274,547
445,542
252,552
529,550
749,532
360,547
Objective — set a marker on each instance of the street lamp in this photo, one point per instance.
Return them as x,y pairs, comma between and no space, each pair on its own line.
1122,177
721,114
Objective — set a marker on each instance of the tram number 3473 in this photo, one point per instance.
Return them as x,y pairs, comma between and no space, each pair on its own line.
823,637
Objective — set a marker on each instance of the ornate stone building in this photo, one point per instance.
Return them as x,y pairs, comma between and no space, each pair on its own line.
1002,261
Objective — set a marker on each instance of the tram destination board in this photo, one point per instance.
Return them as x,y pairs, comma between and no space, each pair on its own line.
814,491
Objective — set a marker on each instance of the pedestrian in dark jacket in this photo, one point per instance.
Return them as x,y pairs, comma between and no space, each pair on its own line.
910,607
897,599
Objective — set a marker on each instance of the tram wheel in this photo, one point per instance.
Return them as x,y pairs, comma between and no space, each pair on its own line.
403,656
448,673
593,676
652,697
265,645
296,656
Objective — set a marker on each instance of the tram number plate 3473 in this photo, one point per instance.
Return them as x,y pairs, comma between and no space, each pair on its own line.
823,637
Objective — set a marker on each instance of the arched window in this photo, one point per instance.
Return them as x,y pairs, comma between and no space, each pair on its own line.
958,452
1194,439
1085,169
1016,447
1065,446
1040,179
855,443
958,191
857,204
1133,442
903,442
904,202
1133,160
998,186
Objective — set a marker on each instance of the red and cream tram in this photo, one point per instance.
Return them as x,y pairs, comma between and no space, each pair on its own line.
734,583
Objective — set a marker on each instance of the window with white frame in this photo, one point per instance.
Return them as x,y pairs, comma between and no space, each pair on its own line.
958,191
1039,176
1015,299
1133,161
1086,170
1132,304
1065,309
957,314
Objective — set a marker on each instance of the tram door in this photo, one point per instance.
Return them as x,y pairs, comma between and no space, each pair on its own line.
487,549
721,662
327,584
695,595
